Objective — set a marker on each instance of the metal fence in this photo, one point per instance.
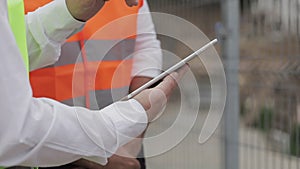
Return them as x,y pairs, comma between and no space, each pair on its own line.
188,153
269,81
261,125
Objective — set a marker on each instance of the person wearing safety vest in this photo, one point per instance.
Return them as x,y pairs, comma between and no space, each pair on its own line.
116,52
42,131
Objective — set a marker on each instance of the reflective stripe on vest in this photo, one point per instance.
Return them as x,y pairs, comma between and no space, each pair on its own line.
17,24
92,61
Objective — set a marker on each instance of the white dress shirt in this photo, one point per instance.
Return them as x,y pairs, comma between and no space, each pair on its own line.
148,55
43,132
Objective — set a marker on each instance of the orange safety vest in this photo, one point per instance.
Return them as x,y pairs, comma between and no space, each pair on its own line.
93,64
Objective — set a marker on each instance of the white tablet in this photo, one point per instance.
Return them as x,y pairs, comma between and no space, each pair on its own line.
170,70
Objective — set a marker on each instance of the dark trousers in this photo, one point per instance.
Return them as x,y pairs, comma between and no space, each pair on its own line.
141,160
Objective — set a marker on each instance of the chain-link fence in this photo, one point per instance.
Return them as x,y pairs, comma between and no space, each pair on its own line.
269,92
188,153
269,81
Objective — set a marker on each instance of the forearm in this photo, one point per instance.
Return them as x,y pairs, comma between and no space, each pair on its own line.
47,29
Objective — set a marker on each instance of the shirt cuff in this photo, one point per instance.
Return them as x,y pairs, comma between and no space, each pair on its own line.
130,119
113,126
59,22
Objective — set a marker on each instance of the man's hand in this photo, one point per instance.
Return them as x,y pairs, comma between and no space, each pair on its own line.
153,100
83,10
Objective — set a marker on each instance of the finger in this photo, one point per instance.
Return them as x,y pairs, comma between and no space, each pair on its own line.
131,3
180,72
168,84
170,81
158,100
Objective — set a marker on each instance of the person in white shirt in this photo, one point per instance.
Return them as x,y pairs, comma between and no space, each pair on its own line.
40,131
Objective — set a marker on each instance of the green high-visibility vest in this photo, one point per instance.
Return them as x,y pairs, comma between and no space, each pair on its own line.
17,23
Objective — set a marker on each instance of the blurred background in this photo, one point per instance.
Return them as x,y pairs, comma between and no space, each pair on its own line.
260,50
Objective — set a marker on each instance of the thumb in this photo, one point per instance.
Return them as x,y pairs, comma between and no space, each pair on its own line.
158,100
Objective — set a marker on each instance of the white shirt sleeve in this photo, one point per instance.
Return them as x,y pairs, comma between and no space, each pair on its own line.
43,132
46,33
148,55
